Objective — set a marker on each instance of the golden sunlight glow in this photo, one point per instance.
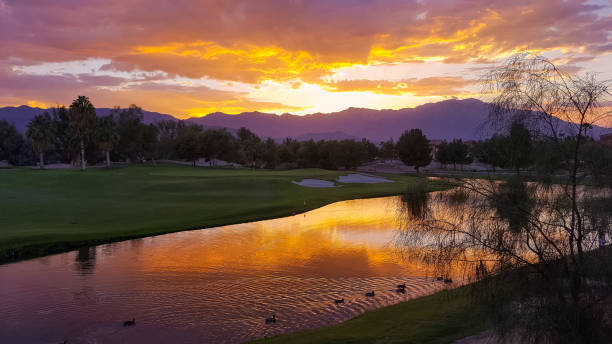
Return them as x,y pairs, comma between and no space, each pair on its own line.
35,103
289,57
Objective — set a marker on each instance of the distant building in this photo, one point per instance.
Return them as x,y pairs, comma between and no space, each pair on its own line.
606,139
433,145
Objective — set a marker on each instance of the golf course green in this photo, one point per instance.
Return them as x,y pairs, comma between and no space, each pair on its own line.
48,211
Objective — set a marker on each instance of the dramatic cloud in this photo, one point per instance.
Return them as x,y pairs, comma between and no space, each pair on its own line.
181,99
434,86
239,47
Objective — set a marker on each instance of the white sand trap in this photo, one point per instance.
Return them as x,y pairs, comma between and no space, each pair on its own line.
362,178
315,183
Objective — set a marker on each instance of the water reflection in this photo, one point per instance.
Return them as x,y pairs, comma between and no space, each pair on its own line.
215,285
413,204
486,226
434,234
86,260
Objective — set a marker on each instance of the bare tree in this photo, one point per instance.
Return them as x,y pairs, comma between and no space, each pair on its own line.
536,245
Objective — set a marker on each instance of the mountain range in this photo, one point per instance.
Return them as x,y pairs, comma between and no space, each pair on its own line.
20,116
442,120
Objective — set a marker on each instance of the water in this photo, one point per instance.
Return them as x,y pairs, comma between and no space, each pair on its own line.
214,285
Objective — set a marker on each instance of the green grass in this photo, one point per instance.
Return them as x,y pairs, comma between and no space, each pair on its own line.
56,210
439,318
47,211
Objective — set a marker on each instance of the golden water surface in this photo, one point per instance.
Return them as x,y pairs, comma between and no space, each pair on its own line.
214,285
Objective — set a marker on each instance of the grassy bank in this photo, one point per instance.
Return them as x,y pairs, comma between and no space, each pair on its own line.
439,318
56,210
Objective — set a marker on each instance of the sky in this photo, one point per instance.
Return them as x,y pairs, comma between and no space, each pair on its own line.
191,58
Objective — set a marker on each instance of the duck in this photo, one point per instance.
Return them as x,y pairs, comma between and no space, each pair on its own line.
401,290
130,322
401,286
271,320
370,294
339,301
439,278
448,280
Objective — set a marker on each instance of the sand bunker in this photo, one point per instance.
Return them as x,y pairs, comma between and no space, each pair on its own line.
362,178
315,183
351,178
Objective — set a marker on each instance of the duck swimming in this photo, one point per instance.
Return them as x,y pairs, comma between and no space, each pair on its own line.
271,320
130,322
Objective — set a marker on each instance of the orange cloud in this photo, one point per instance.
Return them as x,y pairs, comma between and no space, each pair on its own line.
178,100
433,86
251,64
289,42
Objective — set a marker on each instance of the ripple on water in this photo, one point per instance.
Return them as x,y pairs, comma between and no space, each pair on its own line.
216,285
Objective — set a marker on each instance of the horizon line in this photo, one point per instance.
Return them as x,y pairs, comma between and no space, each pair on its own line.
247,112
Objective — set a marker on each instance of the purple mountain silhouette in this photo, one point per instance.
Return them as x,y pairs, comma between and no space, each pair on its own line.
447,120
22,115
443,120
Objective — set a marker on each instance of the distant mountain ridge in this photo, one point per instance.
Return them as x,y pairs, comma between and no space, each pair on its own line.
447,119
21,115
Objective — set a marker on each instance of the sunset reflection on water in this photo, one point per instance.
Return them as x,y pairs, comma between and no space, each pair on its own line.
216,284
344,239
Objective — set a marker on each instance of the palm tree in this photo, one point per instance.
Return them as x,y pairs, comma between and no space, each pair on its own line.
107,135
82,116
40,131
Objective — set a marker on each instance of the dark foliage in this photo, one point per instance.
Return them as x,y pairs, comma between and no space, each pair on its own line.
413,149
456,152
11,143
540,245
123,136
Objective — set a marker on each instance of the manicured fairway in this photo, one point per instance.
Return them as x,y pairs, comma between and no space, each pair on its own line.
55,210
440,318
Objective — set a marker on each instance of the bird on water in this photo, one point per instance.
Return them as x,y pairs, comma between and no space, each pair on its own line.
130,322
271,320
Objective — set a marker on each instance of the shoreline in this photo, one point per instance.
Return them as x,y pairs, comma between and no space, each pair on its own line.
156,225
279,211
43,250
444,316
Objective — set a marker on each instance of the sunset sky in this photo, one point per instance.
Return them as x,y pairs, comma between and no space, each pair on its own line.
191,58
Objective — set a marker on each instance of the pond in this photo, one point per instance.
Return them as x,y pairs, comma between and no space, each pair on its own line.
215,285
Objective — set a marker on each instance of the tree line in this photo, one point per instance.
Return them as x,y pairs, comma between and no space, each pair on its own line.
76,135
